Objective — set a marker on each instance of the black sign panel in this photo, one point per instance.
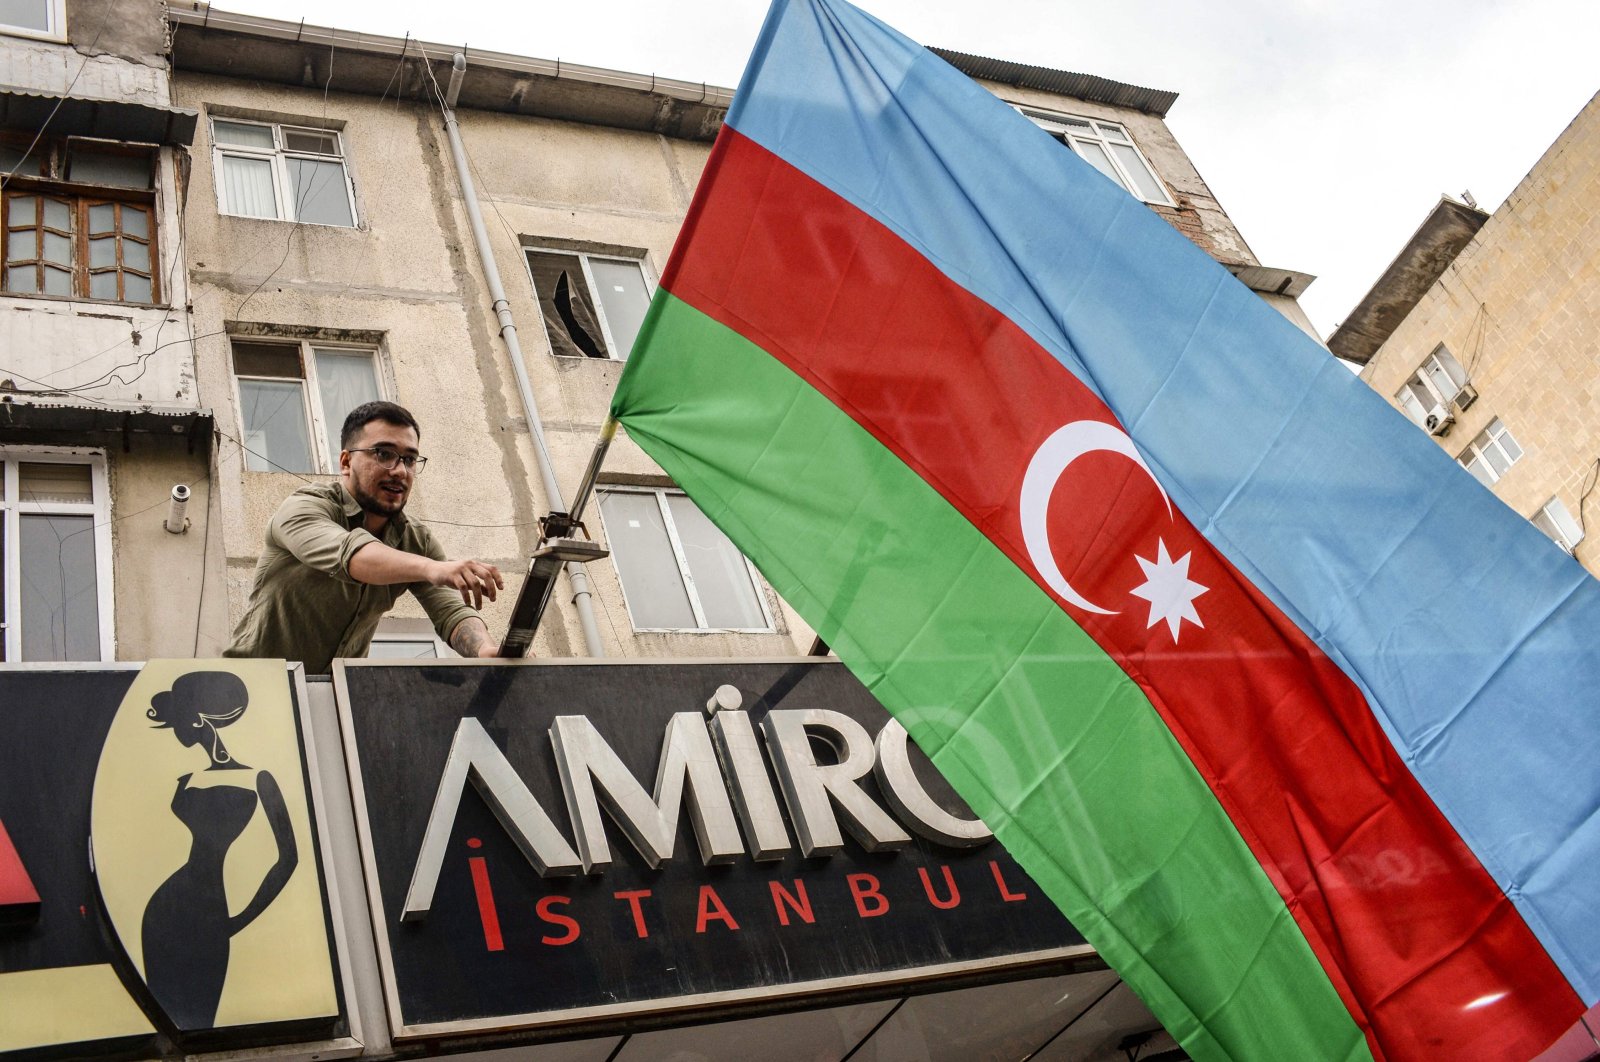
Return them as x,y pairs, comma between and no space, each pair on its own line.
500,946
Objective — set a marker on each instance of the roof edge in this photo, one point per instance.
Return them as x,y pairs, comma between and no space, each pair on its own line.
1062,82
1444,233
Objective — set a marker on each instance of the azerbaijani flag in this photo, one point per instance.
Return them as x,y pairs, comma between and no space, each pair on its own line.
1292,718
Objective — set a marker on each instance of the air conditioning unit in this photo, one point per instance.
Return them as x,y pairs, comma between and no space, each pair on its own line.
1439,422
1465,397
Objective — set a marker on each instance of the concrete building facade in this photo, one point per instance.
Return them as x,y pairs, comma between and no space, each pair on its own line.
307,247
100,410
1485,329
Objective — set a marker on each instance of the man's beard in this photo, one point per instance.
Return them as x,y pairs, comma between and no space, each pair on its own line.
377,504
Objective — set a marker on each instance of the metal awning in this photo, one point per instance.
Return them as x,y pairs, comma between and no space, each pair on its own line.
87,116
37,422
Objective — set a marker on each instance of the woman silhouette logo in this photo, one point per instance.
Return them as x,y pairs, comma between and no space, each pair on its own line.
186,927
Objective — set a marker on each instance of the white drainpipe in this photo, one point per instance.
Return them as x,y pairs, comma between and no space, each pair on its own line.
581,595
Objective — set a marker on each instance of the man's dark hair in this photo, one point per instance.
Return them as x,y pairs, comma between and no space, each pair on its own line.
367,412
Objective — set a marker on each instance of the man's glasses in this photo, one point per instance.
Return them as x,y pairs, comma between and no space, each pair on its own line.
387,457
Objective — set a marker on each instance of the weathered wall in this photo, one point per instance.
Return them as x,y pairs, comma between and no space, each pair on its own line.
1520,310
167,587
123,353
410,272
112,49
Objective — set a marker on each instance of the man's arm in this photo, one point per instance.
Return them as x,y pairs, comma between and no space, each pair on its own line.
380,565
471,638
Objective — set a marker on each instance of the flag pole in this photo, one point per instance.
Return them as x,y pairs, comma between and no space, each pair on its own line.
608,431
558,546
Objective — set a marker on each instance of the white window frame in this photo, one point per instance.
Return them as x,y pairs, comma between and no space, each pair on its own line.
1424,377
614,352
661,494
55,28
394,629
1494,435
1559,525
13,508
1068,129
283,201
310,395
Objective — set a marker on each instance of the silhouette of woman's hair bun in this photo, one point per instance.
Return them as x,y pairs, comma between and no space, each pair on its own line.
215,697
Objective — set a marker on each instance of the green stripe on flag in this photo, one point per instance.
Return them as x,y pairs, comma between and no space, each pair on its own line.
1041,732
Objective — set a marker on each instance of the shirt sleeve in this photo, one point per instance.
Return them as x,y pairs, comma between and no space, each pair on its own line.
442,604
310,528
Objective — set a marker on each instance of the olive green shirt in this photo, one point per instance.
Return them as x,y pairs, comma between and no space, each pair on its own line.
304,604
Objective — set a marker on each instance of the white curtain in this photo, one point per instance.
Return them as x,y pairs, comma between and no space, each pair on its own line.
247,187
344,381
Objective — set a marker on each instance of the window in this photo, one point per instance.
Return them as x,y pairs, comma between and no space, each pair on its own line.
579,324
293,398
281,171
55,556
1432,388
406,639
1556,522
31,18
678,571
1108,148
1491,453
79,220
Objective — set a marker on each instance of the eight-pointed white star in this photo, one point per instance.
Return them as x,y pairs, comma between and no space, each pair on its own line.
1169,590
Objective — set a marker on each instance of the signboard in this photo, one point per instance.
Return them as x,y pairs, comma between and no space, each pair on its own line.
161,885
576,840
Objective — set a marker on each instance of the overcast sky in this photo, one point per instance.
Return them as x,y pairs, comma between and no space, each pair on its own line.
1326,128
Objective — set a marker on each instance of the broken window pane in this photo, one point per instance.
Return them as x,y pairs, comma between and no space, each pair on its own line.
566,304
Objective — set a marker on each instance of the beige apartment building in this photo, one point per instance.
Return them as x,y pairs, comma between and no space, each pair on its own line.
1485,331
312,249
100,410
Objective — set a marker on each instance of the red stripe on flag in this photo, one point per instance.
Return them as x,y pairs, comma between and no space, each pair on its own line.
1432,959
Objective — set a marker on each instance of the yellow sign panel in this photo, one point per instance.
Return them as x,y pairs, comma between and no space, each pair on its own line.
203,849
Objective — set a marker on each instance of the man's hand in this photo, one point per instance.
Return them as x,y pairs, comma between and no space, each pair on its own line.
474,579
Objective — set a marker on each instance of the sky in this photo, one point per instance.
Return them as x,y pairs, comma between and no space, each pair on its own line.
1327,129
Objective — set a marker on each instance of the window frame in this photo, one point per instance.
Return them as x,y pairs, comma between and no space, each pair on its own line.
1494,433
395,630
55,156
1555,532
1064,129
757,586
13,508
584,257
306,349
56,23
278,158
1441,402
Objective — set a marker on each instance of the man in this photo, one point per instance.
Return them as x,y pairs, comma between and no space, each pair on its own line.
338,556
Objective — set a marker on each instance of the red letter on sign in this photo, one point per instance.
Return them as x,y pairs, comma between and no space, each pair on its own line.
487,915
16,888
864,890
633,899
1005,890
801,903
543,907
953,900
711,907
